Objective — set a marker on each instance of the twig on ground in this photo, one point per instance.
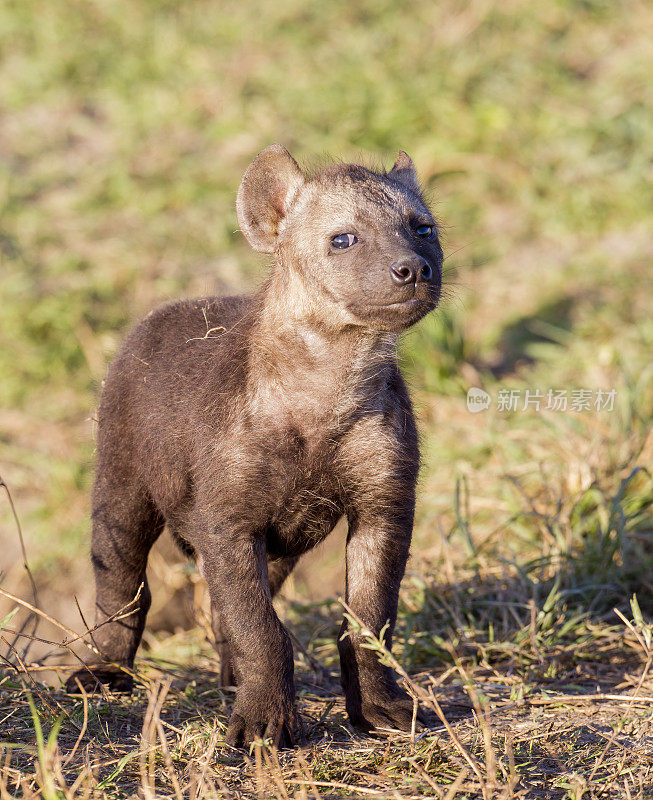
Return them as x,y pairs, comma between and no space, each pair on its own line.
3,484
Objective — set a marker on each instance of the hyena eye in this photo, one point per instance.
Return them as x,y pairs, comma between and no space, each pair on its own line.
343,240
424,231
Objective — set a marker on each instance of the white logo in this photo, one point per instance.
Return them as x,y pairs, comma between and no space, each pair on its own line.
477,400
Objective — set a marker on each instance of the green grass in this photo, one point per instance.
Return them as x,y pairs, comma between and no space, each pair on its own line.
125,129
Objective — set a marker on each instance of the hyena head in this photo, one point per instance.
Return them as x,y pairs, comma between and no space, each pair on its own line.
356,247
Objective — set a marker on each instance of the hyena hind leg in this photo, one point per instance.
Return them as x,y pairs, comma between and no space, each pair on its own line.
125,526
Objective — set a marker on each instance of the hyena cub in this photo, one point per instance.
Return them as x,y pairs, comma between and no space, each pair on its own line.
250,425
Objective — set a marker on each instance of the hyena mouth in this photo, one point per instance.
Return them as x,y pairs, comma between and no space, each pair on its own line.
413,302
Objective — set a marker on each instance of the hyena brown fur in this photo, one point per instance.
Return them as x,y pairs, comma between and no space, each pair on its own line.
250,425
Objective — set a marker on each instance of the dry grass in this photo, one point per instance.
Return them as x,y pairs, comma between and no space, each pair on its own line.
501,734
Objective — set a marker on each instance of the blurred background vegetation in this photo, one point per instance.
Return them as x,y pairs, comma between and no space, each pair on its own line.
125,127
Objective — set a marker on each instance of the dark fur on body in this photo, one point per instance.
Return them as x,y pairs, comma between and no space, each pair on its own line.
250,425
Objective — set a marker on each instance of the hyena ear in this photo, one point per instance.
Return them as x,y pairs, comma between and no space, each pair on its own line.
404,172
265,195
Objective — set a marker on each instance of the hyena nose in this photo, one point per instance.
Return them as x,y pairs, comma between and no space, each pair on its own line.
411,270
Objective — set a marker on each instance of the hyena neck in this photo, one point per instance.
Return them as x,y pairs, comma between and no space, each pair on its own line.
312,360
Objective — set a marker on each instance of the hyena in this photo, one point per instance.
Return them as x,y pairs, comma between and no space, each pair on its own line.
250,425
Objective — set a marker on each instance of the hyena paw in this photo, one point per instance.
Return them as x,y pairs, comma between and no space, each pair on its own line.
93,677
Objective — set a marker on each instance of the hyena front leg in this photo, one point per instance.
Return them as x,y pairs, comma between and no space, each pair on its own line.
278,571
